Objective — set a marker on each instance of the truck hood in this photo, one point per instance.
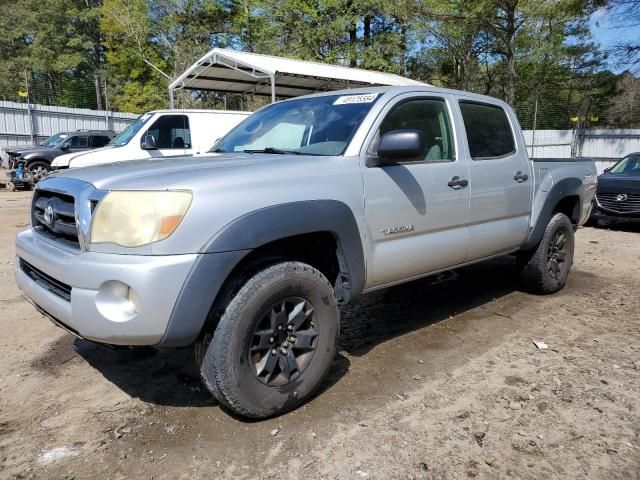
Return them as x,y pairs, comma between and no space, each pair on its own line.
611,183
180,172
64,161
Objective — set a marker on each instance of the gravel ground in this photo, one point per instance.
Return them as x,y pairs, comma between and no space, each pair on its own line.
436,379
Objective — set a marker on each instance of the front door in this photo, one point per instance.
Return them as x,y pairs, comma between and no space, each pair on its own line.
76,143
172,136
416,211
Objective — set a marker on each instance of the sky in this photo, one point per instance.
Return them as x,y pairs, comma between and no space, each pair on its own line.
608,31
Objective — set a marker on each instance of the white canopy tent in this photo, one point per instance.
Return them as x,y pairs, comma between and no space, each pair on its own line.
243,73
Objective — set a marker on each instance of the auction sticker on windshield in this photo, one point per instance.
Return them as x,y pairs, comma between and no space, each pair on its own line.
349,99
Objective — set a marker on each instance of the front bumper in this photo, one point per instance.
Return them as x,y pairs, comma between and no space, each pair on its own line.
97,307
599,214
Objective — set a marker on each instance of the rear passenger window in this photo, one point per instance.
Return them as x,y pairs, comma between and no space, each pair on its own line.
98,141
488,131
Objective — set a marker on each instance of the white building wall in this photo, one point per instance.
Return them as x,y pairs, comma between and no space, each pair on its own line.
22,125
605,146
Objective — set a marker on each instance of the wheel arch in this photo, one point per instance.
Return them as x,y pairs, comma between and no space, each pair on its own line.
323,233
31,161
564,197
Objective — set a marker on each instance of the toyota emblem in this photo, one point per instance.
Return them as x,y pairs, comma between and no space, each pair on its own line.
622,197
49,215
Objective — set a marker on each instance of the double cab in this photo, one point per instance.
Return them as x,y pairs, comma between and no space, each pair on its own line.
245,254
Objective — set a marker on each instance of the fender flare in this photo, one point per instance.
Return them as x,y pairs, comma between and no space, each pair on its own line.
224,251
29,161
567,187
273,223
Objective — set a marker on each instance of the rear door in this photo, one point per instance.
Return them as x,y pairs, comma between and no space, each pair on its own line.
501,183
416,221
98,141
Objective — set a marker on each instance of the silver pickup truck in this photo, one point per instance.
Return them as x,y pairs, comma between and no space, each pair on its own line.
246,254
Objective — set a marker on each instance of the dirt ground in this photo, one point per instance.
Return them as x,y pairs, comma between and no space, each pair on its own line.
437,379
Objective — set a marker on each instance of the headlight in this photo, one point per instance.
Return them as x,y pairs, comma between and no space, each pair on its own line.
133,219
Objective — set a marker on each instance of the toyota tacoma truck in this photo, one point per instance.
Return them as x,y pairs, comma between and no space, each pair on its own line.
246,254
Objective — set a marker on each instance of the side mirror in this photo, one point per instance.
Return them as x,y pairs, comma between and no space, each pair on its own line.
607,169
64,147
148,143
398,145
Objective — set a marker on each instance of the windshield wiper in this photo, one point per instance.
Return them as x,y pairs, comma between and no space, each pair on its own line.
272,150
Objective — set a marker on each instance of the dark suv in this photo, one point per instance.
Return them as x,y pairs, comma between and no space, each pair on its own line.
37,159
618,196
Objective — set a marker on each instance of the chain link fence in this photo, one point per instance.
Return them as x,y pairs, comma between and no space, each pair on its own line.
55,89
34,106
582,128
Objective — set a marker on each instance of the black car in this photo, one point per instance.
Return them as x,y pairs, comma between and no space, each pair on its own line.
618,195
37,159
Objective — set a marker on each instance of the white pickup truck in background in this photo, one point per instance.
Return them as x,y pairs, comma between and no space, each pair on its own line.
159,134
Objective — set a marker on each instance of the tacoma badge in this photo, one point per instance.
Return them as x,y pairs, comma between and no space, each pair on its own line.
398,229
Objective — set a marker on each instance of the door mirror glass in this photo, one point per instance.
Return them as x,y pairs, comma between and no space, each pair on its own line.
148,143
400,145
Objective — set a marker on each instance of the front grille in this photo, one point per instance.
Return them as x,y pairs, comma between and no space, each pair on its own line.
45,281
57,222
619,202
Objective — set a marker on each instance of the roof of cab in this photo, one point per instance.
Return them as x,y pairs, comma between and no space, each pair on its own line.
189,110
398,90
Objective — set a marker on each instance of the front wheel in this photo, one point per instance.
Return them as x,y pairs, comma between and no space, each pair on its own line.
545,269
275,342
38,170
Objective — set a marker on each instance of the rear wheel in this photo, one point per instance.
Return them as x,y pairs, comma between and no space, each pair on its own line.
274,343
545,269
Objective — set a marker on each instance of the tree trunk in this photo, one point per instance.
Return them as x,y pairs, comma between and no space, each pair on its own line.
510,56
248,39
96,81
367,31
353,46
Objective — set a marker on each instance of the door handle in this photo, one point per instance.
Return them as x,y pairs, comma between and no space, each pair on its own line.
521,177
458,183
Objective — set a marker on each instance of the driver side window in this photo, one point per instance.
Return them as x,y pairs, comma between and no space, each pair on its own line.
77,141
171,132
431,118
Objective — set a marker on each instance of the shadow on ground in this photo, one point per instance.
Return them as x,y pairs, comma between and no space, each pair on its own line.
171,378
620,226
386,314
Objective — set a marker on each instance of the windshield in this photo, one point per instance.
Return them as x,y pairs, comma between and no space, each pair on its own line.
310,126
627,166
128,133
54,140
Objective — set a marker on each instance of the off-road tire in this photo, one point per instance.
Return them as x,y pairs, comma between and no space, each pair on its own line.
536,276
227,369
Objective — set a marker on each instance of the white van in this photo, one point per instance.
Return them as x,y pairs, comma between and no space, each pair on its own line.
159,134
